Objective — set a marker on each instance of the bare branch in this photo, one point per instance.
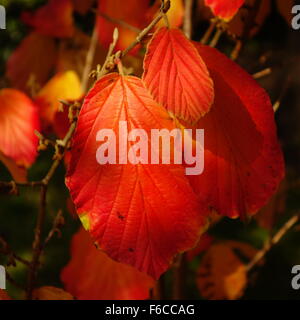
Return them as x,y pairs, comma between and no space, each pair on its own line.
187,25
269,244
89,60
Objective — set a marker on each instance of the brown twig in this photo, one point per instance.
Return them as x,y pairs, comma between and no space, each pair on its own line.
262,73
111,60
37,243
121,23
37,246
157,293
57,224
216,37
187,24
236,50
163,10
209,31
179,277
282,94
89,60
270,243
6,250
109,57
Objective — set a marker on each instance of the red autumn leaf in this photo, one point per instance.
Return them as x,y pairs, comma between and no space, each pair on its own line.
92,275
18,121
4,295
54,19
132,13
224,9
243,160
33,59
176,75
121,204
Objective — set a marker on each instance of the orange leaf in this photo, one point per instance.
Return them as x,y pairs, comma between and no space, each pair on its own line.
222,274
224,9
4,295
54,19
63,86
35,57
92,275
18,121
243,162
139,214
129,12
51,293
176,75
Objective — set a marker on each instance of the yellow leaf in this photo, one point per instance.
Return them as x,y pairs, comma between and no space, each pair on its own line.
63,86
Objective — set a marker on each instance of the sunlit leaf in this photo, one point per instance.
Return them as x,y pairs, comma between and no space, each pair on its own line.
121,204
176,75
18,121
224,9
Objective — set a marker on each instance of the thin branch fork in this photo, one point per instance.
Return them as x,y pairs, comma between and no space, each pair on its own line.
111,59
13,257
